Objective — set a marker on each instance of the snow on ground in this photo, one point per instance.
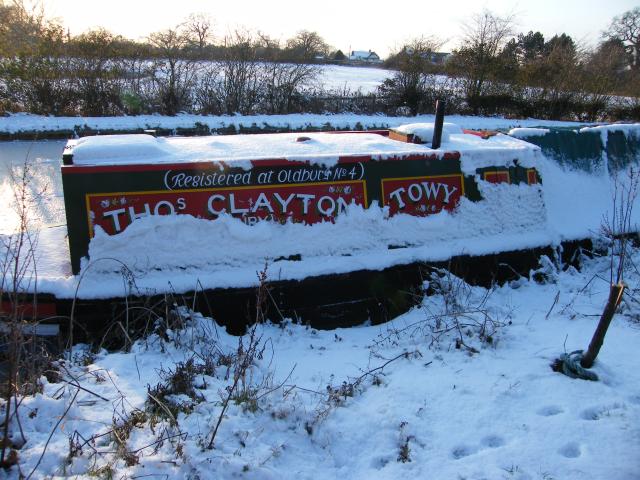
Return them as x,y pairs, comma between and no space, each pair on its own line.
387,401
365,79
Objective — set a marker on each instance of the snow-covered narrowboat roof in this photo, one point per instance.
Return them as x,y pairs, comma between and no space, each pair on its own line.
324,148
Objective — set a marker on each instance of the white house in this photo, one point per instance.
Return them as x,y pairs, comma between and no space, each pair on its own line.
364,56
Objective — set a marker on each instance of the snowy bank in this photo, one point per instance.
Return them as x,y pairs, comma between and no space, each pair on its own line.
34,124
434,412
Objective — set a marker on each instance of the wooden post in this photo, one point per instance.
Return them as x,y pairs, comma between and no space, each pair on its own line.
615,296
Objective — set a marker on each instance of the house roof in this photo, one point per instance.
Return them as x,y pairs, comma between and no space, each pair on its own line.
363,55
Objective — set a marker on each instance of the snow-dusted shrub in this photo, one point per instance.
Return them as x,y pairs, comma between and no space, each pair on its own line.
547,272
455,314
24,355
455,307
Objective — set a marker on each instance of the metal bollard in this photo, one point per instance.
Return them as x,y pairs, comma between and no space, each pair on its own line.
437,127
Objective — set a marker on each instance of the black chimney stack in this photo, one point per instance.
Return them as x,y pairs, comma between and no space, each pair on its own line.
437,127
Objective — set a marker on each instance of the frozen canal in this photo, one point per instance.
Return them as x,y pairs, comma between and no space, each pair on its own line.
43,158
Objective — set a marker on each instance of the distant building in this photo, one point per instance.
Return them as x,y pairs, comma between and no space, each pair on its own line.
439,58
363,56
436,58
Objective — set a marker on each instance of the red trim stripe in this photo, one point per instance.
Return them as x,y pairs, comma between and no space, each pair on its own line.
42,310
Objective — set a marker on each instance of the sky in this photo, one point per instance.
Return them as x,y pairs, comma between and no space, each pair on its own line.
347,25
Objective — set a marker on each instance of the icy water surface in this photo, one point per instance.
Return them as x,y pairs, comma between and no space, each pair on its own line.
44,182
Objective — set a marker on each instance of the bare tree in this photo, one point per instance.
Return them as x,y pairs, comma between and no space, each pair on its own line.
267,47
305,46
199,27
139,76
603,75
626,27
98,72
208,92
557,76
33,64
283,85
175,73
240,84
20,26
483,40
410,85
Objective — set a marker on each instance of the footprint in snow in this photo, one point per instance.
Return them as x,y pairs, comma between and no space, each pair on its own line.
462,451
490,441
493,441
635,399
596,413
550,411
570,450
380,462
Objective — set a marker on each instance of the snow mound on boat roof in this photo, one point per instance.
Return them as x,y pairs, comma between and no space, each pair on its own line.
528,132
292,146
324,148
425,130
629,129
317,148
497,151
105,148
615,127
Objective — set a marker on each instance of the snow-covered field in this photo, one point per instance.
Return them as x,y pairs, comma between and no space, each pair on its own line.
340,78
388,401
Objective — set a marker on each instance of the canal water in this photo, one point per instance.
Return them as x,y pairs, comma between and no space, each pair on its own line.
45,203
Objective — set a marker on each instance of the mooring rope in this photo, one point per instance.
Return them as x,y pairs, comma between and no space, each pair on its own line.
572,368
